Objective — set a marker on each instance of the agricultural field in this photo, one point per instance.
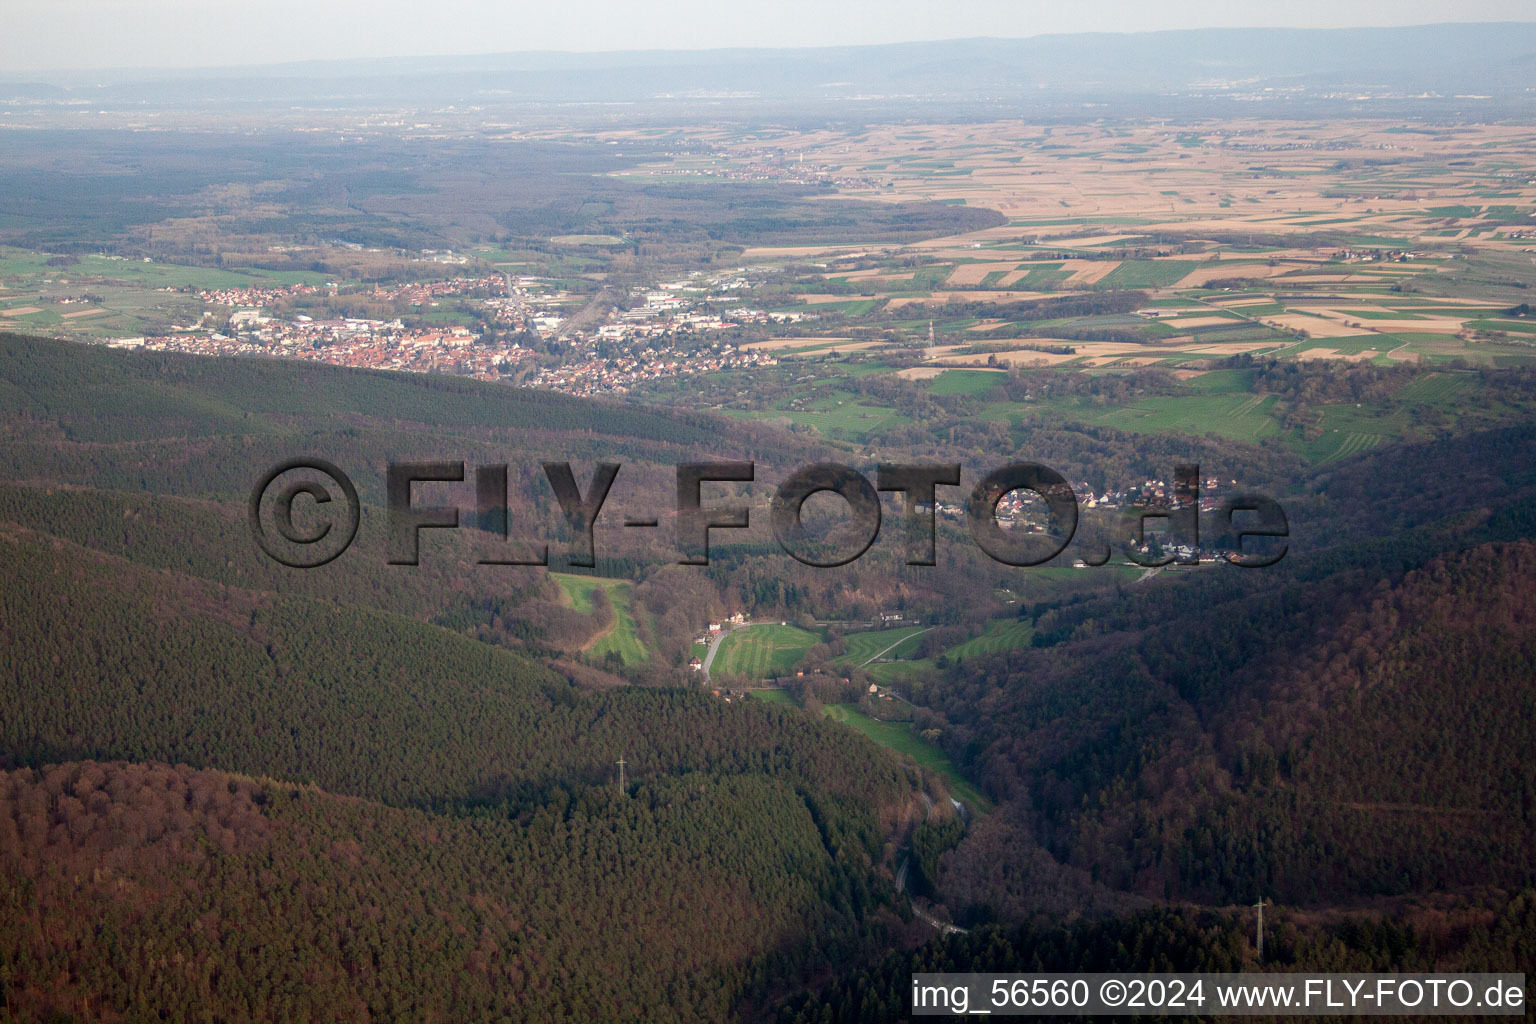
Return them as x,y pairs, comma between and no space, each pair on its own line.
763,651
832,412
1147,274
963,382
1121,249
1437,388
1327,252
27,267
1238,417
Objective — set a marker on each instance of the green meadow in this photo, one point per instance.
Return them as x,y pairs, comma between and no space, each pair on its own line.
763,651
999,635
863,646
898,736
621,638
965,382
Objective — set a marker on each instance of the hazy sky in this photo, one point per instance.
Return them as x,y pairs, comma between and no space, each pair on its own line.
56,34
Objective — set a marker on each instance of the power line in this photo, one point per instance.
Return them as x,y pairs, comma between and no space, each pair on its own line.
1260,929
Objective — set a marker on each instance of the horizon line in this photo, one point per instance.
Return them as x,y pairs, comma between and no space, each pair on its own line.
150,69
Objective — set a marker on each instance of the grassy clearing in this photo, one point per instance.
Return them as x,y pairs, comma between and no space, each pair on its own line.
898,736
1437,388
588,240
1238,417
149,275
1000,635
888,672
863,646
621,638
774,697
965,382
1218,382
761,652
1350,429
833,413
1514,326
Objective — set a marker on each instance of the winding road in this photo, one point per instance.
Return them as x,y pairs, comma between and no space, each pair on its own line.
944,927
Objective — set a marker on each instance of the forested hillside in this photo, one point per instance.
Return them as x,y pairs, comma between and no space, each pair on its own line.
256,793
237,790
1492,934
202,894
1369,740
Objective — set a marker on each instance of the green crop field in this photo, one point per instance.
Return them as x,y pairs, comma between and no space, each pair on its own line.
1238,417
1147,274
849,307
763,651
1451,211
898,736
1260,309
863,646
1223,382
931,277
1437,388
965,382
1042,277
23,263
173,275
621,638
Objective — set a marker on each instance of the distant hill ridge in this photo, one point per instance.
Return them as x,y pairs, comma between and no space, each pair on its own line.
1481,58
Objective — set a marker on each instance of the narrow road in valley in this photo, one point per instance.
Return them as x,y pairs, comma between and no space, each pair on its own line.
944,927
